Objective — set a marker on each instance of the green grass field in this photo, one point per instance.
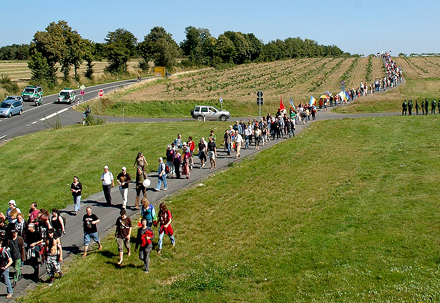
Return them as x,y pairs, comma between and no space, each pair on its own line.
347,211
48,160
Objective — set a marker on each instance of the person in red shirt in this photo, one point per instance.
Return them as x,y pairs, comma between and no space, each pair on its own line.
191,146
165,217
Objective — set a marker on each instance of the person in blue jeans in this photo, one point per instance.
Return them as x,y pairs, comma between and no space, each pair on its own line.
161,176
5,263
90,230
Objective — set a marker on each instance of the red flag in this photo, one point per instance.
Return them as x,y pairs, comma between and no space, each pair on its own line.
281,104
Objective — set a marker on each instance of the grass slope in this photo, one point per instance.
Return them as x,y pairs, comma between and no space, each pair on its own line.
46,162
346,212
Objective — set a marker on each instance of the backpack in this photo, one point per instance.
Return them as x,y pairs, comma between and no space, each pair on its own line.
167,169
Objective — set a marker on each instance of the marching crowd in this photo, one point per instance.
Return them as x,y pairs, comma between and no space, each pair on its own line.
38,239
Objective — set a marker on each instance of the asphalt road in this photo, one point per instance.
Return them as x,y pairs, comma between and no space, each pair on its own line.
35,118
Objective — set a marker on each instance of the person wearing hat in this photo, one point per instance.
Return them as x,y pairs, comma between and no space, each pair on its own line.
54,255
5,263
122,234
16,246
12,206
107,184
123,181
34,243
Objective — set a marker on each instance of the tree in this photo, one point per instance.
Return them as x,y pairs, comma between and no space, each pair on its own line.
192,46
58,44
225,49
50,44
89,56
255,46
120,47
241,46
39,67
158,46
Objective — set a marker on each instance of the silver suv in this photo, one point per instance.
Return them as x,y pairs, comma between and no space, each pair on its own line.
209,113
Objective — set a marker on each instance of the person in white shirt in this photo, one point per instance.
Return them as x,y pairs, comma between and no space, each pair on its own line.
12,205
238,142
107,184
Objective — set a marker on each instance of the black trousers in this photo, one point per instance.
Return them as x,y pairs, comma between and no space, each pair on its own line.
107,193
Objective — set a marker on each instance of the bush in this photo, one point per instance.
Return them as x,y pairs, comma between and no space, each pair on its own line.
92,120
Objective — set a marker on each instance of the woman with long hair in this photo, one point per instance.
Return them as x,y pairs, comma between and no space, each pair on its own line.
165,218
140,161
76,189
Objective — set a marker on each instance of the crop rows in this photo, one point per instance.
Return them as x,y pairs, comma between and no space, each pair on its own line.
378,68
19,71
369,69
291,78
409,70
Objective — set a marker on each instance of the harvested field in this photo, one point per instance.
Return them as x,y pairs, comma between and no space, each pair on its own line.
358,74
18,71
296,78
378,69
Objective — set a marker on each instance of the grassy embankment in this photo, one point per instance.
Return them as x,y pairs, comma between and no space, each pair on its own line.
47,161
345,212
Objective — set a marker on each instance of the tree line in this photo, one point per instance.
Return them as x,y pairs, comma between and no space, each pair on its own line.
59,43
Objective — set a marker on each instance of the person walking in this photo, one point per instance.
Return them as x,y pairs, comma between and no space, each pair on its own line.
202,152
33,213
140,161
5,263
165,218
426,106
90,230
212,152
53,255
186,159
34,243
18,254
417,107
433,103
177,162
170,159
141,176
178,141
191,146
147,212
144,241
238,142
161,176
123,232
124,180
76,189
227,138
107,184
57,223
12,206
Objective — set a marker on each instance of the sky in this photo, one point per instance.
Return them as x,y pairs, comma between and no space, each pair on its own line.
355,26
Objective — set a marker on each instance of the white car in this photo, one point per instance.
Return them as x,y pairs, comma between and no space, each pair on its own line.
66,95
207,112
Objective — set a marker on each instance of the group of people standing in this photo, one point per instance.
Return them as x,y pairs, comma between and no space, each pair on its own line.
424,106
